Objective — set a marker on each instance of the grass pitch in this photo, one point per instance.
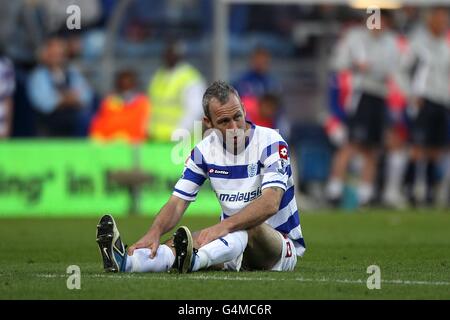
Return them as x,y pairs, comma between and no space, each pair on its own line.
412,250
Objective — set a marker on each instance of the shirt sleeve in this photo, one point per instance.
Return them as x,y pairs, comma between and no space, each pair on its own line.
194,175
276,165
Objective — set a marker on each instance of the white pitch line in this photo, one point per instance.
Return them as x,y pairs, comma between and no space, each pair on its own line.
242,278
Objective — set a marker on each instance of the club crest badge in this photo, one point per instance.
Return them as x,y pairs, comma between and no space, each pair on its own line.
252,169
281,166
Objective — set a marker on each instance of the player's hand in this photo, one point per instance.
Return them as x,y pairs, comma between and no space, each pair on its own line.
212,233
149,240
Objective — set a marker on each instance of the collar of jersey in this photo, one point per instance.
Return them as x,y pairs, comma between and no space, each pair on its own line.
250,136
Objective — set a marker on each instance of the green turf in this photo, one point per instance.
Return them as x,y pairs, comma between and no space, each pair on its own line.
413,248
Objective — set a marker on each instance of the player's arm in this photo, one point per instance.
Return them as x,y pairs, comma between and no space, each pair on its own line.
256,212
167,218
169,215
251,216
185,192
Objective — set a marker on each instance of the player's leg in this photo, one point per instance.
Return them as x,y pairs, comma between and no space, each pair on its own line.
259,248
194,235
432,177
116,259
436,142
140,261
417,152
416,155
268,249
335,185
371,137
357,130
217,252
366,186
396,161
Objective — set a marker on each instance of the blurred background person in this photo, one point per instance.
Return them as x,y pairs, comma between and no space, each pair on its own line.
372,57
7,86
259,88
176,91
59,93
258,80
425,76
393,156
124,114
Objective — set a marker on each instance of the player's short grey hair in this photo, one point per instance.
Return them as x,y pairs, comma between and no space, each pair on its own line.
219,90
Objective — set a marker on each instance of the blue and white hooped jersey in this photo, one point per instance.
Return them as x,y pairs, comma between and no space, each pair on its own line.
239,179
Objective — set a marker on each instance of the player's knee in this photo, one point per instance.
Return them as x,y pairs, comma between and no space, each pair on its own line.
263,236
255,233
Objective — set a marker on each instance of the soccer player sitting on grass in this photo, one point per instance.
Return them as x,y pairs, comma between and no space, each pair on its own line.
249,169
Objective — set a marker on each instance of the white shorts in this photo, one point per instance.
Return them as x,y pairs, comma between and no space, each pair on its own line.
288,258
287,261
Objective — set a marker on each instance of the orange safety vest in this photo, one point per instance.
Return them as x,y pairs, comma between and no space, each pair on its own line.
122,120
